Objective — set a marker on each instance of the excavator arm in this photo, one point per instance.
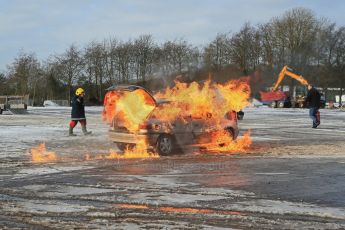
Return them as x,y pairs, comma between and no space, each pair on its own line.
286,71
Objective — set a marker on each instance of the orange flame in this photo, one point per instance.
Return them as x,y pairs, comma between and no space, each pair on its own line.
39,154
110,100
133,206
186,210
129,108
202,99
223,142
180,209
199,210
139,151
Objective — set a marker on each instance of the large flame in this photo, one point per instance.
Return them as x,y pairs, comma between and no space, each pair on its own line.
129,108
201,99
223,142
110,101
208,101
40,154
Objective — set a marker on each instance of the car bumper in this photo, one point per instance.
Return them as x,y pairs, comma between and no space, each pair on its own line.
132,137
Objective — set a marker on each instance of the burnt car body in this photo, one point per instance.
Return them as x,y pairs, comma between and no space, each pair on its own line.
166,137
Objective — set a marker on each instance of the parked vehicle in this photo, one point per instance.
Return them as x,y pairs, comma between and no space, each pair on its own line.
15,104
164,136
280,99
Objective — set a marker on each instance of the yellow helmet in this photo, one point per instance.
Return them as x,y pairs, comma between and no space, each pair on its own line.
79,91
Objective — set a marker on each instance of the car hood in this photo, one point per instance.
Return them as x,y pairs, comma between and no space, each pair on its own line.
131,88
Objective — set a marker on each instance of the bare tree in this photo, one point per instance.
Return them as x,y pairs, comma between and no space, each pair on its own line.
290,40
143,57
24,73
110,64
95,63
335,58
178,56
217,53
124,58
245,48
69,65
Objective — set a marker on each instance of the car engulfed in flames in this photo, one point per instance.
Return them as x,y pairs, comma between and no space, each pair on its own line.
185,115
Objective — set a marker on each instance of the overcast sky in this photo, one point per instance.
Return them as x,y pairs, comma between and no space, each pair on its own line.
48,27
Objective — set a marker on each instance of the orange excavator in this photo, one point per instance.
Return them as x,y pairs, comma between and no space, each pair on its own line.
286,71
281,99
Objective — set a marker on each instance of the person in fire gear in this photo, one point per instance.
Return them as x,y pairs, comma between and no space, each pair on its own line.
78,112
313,101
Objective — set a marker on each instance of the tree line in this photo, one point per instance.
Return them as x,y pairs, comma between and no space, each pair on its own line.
312,46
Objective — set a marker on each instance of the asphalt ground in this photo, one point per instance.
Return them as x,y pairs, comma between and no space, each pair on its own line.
292,177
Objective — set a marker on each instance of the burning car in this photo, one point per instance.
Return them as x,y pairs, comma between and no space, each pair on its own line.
165,124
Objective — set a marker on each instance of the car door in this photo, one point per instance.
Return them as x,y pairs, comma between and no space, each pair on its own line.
183,130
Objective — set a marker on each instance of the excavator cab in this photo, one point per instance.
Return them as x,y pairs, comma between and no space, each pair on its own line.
298,99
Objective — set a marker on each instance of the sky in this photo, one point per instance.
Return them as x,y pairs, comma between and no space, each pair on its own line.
49,27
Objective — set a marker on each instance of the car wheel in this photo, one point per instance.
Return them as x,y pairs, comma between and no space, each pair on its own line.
123,146
273,104
281,104
240,115
165,145
231,134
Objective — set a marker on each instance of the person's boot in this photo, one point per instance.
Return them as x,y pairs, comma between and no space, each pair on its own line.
70,132
85,131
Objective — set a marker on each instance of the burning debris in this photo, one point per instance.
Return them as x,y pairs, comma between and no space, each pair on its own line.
182,210
222,142
139,151
39,154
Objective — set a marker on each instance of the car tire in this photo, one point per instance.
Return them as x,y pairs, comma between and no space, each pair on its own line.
231,133
165,145
240,115
280,104
123,146
273,104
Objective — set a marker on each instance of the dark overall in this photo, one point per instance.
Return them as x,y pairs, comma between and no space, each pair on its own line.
78,115
313,101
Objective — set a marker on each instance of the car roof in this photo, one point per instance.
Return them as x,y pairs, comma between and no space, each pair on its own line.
124,87
161,101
